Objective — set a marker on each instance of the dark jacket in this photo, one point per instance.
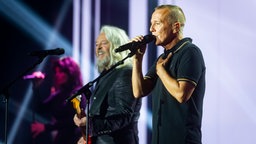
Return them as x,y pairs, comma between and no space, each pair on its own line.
114,112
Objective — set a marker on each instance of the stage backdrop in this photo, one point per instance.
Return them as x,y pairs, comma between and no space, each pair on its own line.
224,30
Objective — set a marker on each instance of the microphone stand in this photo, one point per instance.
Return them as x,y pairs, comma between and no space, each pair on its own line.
86,90
6,94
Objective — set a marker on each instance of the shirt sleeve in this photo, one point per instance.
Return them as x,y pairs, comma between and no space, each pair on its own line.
191,65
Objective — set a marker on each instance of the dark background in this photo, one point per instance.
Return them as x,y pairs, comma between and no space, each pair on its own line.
16,43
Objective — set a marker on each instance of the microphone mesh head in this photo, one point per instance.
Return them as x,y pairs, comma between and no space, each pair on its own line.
149,38
60,51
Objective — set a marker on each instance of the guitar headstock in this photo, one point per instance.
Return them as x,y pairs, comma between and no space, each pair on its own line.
76,104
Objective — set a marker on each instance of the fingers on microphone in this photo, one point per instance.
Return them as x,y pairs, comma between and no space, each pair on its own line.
137,38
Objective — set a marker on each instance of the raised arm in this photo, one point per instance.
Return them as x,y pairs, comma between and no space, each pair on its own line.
141,85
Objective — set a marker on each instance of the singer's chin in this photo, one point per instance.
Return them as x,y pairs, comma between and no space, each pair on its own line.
102,63
157,43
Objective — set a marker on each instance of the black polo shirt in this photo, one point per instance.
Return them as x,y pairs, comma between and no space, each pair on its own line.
174,122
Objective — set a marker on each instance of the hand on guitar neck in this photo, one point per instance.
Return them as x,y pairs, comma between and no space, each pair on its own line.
80,119
81,141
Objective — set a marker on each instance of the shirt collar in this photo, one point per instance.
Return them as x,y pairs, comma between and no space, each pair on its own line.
178,46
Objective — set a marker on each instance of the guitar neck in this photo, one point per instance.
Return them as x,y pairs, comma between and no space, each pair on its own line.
81,113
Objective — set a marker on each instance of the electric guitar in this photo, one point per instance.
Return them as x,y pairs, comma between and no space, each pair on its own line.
80,113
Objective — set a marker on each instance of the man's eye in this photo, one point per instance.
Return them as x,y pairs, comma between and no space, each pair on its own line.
104,43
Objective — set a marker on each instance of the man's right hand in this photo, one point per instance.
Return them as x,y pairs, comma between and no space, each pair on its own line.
79,121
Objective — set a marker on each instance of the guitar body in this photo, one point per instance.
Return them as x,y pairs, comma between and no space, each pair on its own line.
80,114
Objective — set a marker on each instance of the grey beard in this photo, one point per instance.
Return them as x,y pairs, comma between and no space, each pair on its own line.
103,64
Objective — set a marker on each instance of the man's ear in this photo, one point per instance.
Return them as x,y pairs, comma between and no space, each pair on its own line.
176,27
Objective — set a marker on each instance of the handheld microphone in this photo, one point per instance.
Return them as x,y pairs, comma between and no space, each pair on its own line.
34,75
134,45
57,51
